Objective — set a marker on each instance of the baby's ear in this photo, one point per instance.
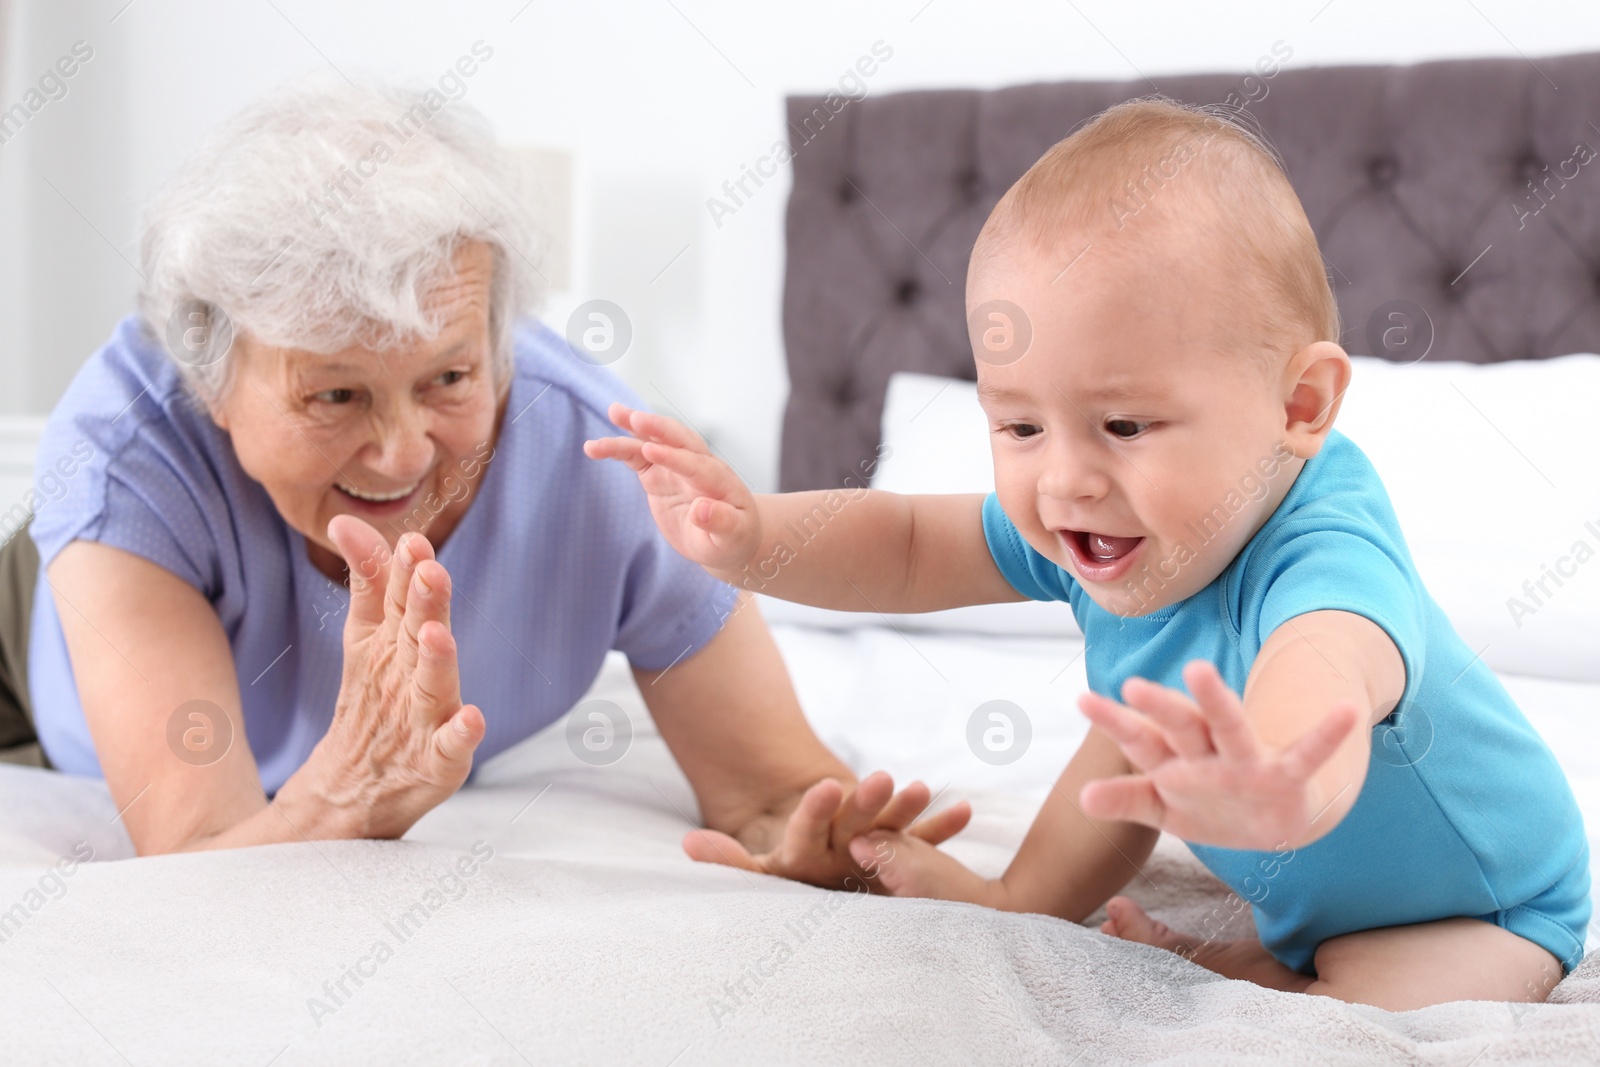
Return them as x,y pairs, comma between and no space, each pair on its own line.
1314,383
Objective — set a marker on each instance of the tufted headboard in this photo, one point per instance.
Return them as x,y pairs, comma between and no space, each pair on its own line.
1457,204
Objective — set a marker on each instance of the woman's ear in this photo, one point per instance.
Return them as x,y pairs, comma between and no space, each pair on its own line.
216,404
217,408
1314,382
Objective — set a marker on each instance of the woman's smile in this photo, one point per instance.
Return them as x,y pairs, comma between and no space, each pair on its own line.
378,505
378,497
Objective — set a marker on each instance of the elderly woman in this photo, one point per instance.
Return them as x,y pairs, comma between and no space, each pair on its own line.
329,486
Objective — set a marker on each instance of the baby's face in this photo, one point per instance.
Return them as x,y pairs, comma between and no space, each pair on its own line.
1134,444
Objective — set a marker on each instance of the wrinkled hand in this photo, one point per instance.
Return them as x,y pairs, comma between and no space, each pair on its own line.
1204,774
812,843
400,741
704,511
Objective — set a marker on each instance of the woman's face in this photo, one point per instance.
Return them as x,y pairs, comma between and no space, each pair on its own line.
398,438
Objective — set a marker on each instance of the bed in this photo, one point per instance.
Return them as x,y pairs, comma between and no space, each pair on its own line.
546,913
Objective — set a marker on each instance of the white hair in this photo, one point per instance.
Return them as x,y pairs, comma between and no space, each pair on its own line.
320,217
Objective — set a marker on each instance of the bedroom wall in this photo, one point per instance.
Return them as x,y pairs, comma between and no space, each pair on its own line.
658,102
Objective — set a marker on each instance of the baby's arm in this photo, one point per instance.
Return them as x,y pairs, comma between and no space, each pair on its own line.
851,549
1068,865
1279,769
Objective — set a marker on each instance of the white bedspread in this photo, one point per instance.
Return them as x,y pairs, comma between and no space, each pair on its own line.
583,935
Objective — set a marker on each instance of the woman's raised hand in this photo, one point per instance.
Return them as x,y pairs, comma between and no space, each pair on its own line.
704,511
401,741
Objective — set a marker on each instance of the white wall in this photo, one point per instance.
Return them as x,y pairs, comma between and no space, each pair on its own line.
659,101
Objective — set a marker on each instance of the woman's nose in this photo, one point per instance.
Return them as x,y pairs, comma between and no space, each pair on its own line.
404,447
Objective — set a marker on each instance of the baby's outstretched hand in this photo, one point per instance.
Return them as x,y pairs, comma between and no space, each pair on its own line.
704,511
1204,774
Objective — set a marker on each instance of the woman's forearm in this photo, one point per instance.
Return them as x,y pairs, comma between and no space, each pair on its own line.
269,825
297,813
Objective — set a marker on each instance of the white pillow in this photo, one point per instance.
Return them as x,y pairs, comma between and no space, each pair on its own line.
938,437
1492,473
1490,469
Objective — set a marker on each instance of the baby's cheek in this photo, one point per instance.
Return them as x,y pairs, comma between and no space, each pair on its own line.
1016,491
1185,516
1019,506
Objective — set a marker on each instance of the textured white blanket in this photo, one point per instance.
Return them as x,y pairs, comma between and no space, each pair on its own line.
547,915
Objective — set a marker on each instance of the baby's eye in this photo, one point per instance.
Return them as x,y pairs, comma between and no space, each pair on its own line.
335,396
1125,428
1021,430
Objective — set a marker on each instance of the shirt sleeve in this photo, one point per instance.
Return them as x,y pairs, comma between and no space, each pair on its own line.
1340,568
139,482
1029,573
153,514
671,608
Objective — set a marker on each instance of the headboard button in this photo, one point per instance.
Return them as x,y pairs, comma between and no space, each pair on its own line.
847,191
1530,167
909,292
1382,171
970,184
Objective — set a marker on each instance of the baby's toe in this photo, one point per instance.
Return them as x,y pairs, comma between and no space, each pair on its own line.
1127,920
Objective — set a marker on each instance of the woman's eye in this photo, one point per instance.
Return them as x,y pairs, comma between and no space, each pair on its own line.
336,396
1125,428
451,377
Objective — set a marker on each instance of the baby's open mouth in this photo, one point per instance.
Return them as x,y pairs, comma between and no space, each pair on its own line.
1099,557
1104,548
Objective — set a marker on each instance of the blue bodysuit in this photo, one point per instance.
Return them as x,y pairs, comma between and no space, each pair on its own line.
1464,812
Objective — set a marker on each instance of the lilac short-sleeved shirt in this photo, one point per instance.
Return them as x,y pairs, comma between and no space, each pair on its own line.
556,560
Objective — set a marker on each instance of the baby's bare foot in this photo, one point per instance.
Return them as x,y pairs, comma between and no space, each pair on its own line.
1247,960
1128,920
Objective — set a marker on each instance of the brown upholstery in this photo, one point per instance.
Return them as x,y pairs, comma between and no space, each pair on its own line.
1407,172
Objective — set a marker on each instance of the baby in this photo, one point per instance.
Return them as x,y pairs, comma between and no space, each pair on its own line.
1157,356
